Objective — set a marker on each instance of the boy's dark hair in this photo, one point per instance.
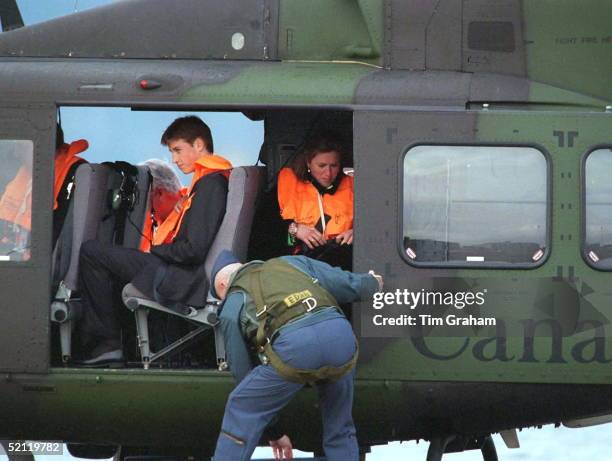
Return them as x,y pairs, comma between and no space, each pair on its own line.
326,141
188,129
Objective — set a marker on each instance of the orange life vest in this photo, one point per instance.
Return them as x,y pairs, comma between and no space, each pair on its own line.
301,202
205,165
151,224
16,202
65,156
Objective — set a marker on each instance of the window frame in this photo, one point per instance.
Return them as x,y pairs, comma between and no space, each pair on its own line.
583,208
476,265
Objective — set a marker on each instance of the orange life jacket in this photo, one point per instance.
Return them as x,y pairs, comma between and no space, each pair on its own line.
301,202
16,202
65,156
151,224
205,165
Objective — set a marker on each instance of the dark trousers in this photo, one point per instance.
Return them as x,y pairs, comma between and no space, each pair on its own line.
103,271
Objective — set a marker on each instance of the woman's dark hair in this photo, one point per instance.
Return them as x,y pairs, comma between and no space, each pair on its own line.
322,142
188,129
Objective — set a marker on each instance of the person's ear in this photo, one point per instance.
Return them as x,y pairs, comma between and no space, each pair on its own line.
199,145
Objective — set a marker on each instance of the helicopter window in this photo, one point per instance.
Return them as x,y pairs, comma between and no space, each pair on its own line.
475,206
15,199
136,134
598,209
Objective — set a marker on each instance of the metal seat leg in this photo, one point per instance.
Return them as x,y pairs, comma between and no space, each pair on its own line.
66,340
142,328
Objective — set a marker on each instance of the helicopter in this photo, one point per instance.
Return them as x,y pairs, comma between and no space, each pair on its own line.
480,140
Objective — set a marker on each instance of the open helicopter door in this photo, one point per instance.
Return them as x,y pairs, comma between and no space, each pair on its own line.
26,184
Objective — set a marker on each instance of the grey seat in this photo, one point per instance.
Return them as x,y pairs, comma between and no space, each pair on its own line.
245,184
90,217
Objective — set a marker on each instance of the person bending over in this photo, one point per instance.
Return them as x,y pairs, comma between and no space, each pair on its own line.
285,312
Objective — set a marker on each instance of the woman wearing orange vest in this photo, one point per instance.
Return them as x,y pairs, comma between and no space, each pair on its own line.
316,202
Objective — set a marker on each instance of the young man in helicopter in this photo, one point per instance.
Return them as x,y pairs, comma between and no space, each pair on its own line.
173,271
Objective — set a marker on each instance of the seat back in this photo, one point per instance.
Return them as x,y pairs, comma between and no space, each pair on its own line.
137,213
245,184
90,216
87,211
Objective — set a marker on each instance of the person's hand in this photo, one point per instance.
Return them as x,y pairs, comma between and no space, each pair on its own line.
310,236
282,448
378,278
345,238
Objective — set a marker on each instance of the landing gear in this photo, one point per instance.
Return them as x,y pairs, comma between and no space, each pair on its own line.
451,443
489,453
437,447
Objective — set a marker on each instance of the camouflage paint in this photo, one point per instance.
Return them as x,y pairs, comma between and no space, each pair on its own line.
394,378
506,355
330,30
569,44
285,83
95,405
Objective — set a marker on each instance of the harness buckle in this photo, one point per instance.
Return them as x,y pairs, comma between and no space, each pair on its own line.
262,311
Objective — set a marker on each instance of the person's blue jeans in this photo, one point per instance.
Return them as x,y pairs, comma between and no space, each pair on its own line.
263,393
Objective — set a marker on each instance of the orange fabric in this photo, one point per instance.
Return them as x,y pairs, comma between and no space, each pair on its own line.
299,201
147,234
65,156
205,165
151,226
16,202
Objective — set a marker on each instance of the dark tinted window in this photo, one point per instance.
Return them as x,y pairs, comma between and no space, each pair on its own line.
15,199
475,206
598,212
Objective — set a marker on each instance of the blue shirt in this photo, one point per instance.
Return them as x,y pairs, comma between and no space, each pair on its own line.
346,287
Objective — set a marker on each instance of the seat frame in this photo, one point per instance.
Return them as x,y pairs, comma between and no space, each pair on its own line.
65,308
205,319
233,235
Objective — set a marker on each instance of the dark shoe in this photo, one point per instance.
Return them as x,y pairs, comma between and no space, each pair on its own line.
104,355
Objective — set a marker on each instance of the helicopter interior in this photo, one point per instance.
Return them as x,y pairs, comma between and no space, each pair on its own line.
109,203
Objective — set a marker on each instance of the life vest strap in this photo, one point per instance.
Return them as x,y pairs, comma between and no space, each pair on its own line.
308,376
